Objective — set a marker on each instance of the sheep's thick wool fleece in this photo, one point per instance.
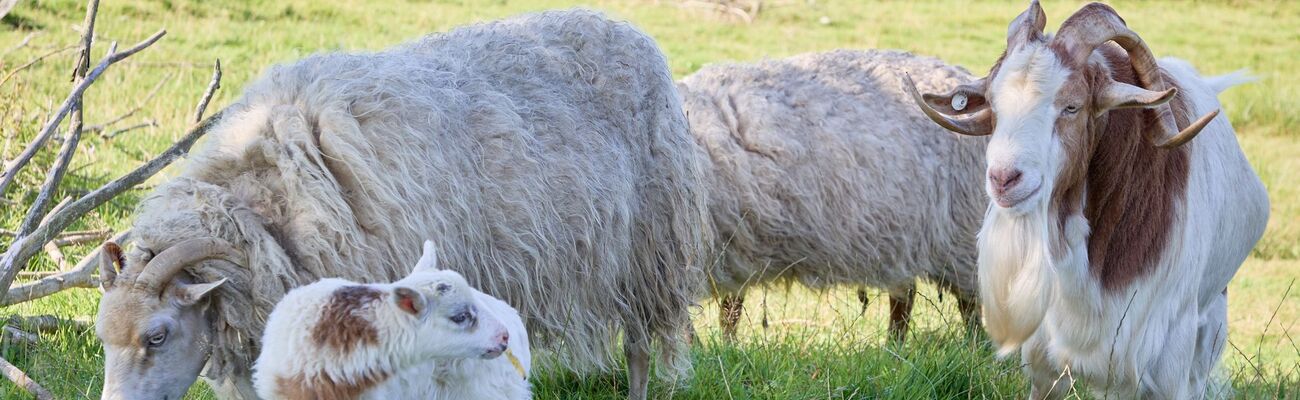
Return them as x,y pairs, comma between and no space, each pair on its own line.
824,172
547,154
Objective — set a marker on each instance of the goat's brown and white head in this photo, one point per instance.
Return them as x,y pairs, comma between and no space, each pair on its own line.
1046,102
154,319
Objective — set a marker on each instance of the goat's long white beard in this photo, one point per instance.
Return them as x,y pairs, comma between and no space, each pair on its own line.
1016,275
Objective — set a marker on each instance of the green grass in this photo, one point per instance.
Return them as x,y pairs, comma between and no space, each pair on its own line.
815,345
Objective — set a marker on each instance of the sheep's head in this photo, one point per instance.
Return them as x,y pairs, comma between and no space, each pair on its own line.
153,319
1046,102
463,326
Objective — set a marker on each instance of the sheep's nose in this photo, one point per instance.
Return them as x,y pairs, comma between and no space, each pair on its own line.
503,339
1004,179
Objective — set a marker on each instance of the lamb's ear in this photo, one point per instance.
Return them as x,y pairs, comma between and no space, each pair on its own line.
411,301
428,260
188,294
110,263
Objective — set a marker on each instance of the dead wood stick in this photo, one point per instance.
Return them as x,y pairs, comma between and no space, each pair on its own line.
207,94
68,104
26,40
68,235
33,61
20,378
23,248
45,323
138,106
80,276
12,334
115,132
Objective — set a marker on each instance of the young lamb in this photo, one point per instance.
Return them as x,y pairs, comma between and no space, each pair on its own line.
429,335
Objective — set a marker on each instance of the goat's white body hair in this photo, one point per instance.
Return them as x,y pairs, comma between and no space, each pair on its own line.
1160,336
825,173
290,352
547,154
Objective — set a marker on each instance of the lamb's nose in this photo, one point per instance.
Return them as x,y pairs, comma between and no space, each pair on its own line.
1004,179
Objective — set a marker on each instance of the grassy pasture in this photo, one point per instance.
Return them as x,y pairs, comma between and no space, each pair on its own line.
794,344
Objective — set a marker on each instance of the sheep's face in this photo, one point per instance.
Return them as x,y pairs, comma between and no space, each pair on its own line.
455,323
155,342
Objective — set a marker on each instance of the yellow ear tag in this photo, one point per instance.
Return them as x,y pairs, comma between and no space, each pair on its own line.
518,366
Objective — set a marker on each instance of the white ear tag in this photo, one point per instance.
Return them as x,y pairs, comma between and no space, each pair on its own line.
959,102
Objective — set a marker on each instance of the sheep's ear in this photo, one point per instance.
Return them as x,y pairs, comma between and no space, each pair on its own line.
428,260
110,263
410,301
188,294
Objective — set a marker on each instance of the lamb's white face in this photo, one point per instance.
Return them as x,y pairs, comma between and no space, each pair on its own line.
1025,155
455,324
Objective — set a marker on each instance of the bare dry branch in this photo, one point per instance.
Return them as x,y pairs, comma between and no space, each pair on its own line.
80,276
138,106
23,248
33,61
73,99
207,95
26,40
20,378
45,323
14,335
115,132
81,237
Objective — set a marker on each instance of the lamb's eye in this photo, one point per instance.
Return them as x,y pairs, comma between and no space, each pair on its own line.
461,317
157,339
1071,109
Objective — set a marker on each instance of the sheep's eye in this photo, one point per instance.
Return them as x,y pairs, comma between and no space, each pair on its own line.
156,339
461,317
1070,109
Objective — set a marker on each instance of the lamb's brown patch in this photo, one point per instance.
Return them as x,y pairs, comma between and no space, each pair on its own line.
322,387
1133,187
341,327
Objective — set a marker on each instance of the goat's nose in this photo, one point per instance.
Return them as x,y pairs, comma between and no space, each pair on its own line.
1004,178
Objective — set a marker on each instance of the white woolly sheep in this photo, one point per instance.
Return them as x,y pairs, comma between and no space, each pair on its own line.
547,153
429,335
825,174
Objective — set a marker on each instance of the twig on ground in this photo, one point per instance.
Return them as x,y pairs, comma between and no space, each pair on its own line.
207,95
26,40
138,106
68,104
147,124
33,61
45,323
80,276
20,378
15,335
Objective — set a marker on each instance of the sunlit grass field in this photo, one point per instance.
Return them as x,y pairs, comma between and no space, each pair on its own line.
793,344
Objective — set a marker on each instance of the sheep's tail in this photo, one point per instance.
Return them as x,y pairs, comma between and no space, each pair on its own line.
1225,81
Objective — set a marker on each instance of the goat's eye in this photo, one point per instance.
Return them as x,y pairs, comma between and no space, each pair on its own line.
156,339
1071,109
461,317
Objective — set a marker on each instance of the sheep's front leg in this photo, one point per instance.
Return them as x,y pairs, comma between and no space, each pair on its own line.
637,350
730,307
900,312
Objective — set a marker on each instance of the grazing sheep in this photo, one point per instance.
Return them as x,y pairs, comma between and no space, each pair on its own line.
1114,229
428,335
823,173
548,153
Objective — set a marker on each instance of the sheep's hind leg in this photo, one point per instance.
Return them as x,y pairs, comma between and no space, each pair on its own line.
900,312
730,308
637,350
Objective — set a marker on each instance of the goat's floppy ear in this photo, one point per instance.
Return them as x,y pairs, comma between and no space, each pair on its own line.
110,263
411,301
1122,95
188,294
428,260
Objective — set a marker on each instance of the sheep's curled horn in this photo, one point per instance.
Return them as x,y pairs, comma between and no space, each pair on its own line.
169,262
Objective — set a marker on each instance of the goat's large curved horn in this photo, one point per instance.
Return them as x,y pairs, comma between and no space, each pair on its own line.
979,124
169,262
1027,26
1094,25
